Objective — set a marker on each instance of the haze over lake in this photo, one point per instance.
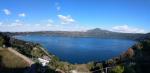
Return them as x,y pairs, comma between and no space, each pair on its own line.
81,50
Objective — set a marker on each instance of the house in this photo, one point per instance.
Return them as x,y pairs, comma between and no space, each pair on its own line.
44,60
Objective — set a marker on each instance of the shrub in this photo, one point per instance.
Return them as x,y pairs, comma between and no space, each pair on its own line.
1,41
118,69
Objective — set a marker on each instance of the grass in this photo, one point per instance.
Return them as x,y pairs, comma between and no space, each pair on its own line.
11,60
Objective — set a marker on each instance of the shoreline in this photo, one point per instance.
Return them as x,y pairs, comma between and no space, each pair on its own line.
57,64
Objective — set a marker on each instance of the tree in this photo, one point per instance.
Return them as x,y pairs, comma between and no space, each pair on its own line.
118,69
1,41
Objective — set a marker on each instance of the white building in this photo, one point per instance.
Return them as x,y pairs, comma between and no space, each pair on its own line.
44,61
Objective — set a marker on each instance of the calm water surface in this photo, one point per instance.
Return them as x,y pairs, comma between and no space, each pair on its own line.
81,50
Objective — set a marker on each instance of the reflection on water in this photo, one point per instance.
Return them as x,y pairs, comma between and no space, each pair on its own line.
81,50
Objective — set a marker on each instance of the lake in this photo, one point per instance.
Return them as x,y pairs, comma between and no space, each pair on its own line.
81,50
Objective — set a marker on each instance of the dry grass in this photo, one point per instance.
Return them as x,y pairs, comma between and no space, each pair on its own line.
82,68
11,60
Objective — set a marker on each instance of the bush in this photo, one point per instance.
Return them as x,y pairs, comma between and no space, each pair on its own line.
1,41
118,69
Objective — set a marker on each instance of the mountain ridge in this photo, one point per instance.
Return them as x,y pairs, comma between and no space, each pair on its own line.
97,33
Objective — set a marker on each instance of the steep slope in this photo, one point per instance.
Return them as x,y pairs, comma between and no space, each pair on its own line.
137,58
12,59
13,62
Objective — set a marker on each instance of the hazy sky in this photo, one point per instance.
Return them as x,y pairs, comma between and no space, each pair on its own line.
131,16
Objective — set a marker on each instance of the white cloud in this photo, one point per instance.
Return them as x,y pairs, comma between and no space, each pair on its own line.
15,24
6,11
37,24
50,20
1,23
49,23
19,26
17,20
57,6
43,25
22,15
127,29
22,27
46,25
66,19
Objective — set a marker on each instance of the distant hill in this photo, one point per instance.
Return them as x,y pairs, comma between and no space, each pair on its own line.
144,37
97,32
109,34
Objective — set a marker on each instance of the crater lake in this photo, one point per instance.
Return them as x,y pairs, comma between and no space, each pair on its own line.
80,49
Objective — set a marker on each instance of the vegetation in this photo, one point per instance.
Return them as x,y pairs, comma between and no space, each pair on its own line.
11,60
12,63
135,60
117,69
97,32
1,41
142,57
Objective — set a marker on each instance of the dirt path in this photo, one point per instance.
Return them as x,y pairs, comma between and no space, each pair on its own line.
21,56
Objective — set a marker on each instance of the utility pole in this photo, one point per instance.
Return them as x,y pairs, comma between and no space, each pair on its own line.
107,69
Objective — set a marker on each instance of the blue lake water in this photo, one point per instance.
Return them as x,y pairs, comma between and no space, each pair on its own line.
81,50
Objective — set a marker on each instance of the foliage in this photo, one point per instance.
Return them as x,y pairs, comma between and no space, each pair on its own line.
138,54
90,65
129,69
1,41
142,58
118,69
129,53
140,62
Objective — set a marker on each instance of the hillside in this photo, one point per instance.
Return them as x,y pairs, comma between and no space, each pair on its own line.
18,56
11,59
134,60
137,58
141,56
97,32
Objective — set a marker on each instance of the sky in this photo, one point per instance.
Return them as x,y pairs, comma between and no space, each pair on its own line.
127,16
